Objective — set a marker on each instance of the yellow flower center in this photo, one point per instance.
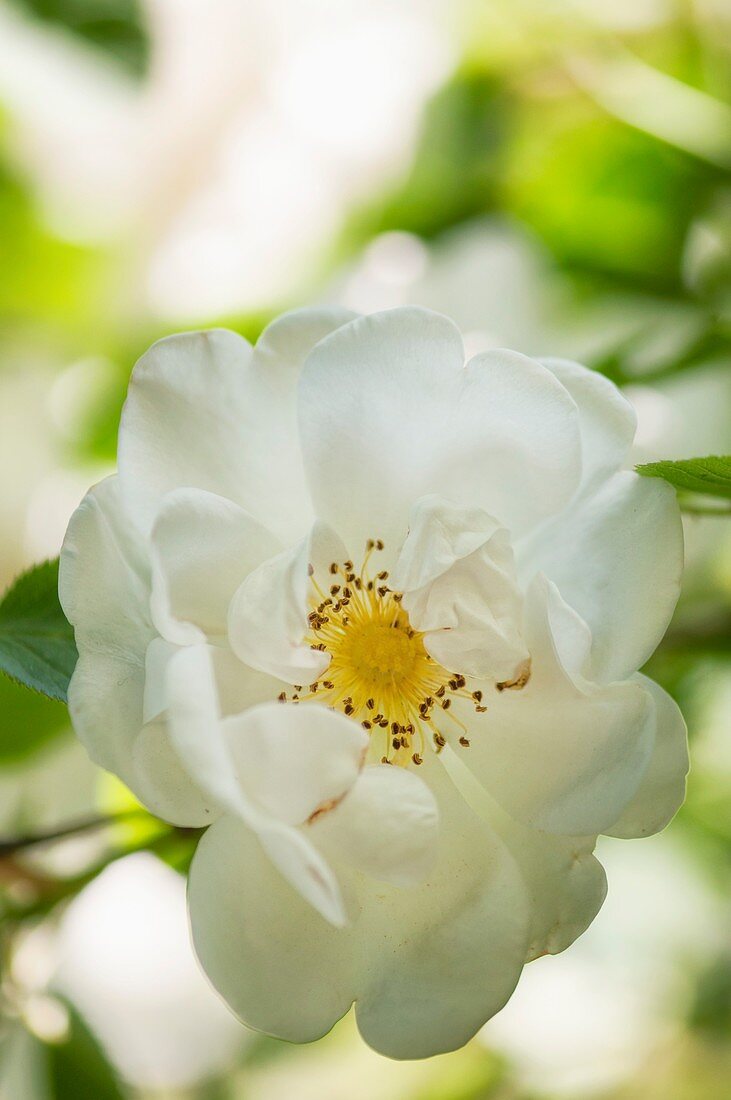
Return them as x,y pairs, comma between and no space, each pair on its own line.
380,672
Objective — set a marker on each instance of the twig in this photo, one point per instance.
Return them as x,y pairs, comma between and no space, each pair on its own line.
16,844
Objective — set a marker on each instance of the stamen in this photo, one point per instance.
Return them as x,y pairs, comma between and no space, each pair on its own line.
380,672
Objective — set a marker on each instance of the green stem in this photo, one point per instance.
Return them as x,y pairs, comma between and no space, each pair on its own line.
706,509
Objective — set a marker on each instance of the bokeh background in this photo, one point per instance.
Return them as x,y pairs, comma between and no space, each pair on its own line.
556,176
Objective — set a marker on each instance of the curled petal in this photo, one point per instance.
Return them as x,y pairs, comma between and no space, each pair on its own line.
202,546
616,556
662,790
458,578
295,762
267,619
200,739
386,826
563,754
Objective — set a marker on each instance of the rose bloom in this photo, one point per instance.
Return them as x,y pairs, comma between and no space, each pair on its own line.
374,617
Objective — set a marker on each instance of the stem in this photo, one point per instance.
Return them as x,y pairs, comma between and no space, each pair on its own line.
16,844
706,509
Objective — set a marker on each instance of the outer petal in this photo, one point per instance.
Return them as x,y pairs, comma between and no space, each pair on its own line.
607,419
267,619
295,761
458,578
202,547
204,750
566,883
427,966
441,958
104,590
561,754
277,963
616,557
205,410
388,394
662,791
386,826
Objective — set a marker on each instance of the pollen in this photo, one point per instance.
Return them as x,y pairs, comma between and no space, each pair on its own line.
380,673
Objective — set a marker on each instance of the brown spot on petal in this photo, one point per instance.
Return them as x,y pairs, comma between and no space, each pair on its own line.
520,680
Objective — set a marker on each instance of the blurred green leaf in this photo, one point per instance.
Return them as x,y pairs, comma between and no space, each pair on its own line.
114,26
37,645
77,1068
455,170
27,721
710,476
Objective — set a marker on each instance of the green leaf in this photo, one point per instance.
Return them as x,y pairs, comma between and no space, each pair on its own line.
37,645
710,476
28,721
78,1069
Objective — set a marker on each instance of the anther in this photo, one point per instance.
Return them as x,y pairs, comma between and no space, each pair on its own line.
464,742
417,759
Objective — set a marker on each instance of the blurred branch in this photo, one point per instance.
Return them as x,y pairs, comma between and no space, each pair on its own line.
657,103
709,634
711,344
16,844
175,846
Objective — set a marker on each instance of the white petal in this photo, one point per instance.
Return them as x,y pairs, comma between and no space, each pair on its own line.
661,792
607,419
205,410
183,419
198,736
458,578
158,654
389,396
304,868
616,557
387,826
104,584
562,754
237,686
202,546
164,785
277,963
267,619
427,965
567,886
293,760
566,883
439,959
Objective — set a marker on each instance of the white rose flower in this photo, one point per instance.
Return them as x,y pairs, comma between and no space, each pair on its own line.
376,616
